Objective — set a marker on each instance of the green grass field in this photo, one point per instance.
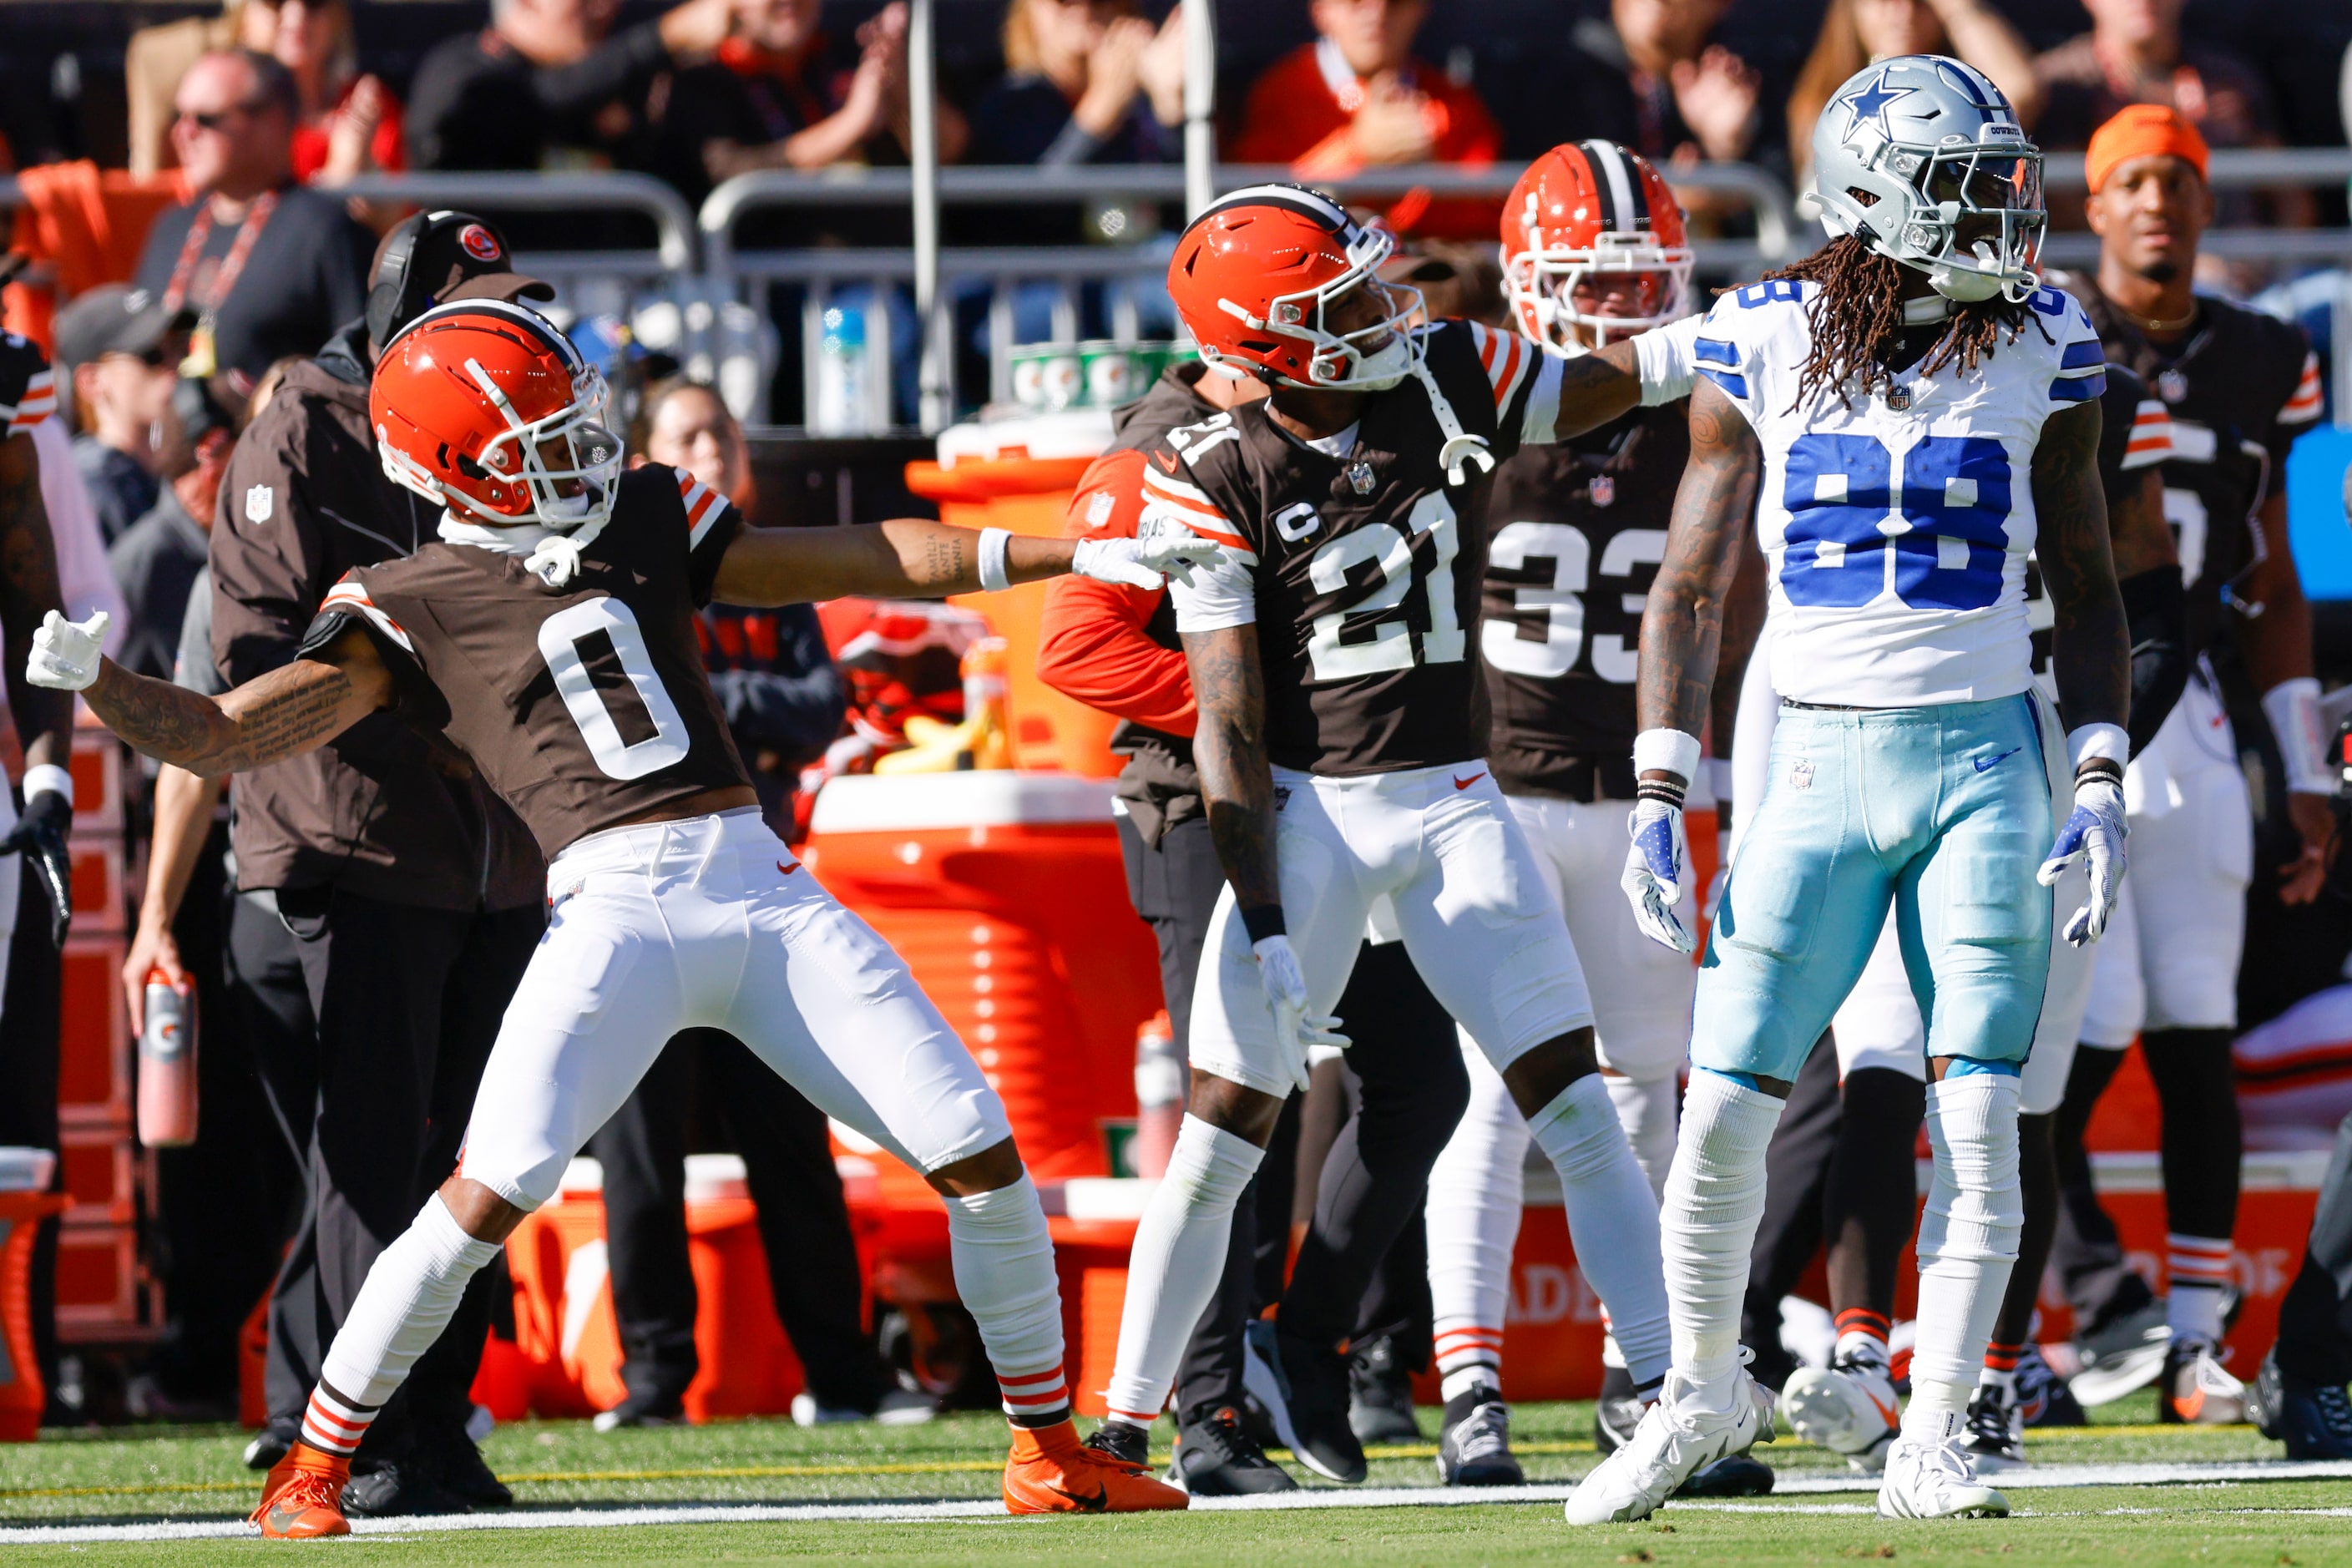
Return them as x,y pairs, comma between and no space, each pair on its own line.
193,1474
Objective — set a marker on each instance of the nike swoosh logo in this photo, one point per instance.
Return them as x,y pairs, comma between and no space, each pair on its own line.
1094,1501
1465,784
1884,1410
1987,764
787,870
1165,460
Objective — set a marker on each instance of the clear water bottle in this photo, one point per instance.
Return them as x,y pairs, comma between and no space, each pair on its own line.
843,397
1159,1096
167,1064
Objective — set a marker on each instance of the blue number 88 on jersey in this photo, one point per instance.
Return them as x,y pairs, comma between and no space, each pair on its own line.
1955,499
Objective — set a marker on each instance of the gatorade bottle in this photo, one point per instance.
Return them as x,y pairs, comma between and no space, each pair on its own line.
167,1064
1158,1095
985,668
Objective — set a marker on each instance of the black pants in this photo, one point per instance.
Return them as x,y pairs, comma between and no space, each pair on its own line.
2315,1329
803,1221
223,1204
407,1002
30,1011
2085,1249
1796,1175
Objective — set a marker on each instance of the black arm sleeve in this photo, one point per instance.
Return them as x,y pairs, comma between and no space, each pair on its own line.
2156,610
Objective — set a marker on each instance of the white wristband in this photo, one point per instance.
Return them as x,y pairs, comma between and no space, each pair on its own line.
2097,740
1666,361
1670,750
48,778
2293,709
992,544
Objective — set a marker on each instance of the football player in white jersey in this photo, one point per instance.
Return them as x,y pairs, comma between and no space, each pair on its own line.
1908,415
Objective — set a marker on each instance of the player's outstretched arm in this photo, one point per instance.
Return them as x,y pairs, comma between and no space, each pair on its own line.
909,557
1697,586
292,710
2089,648
1645,371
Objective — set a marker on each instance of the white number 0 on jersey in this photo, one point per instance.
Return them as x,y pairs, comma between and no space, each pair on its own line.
559,637
1390,645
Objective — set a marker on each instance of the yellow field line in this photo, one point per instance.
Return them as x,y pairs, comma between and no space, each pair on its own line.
810,1472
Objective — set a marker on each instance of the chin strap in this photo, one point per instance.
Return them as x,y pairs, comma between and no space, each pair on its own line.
553,558
1461,448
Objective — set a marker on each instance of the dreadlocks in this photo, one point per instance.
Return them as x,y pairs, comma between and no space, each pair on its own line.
1860,309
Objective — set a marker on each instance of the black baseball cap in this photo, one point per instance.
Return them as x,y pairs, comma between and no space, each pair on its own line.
114,320
423,258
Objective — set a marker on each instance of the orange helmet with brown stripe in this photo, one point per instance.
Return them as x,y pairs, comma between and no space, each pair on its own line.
1593,245
1255,275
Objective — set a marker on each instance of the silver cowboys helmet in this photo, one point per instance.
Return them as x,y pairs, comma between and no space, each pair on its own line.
1922,159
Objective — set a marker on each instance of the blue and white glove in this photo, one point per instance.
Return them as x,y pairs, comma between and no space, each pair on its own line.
1653,867
2093,835
1295,1028
1147,561
66,653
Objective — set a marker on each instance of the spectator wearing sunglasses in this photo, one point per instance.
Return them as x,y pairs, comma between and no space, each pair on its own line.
118,350
270,267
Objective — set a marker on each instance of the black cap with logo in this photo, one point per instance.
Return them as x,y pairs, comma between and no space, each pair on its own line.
433,256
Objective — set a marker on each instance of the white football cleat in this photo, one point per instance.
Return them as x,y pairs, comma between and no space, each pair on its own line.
1930,1479
1673,1442
1847,1407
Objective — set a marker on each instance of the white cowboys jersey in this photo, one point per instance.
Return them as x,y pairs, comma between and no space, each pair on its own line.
1897,529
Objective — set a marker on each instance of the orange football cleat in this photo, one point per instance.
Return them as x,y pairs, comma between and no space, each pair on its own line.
1050,1471
302,1498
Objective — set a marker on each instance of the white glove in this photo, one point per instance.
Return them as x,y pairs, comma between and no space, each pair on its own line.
2093,832
1653,873
66,654
1285,992
1147,561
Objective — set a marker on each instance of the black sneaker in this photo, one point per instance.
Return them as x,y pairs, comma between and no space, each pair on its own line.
1734,1475
1217,1458
643,1410
460,1469
1380,1394
1308,1402
1996,1429
1128,1444
2042,1397
2313,1419
272,1443
1474,1448
400,1488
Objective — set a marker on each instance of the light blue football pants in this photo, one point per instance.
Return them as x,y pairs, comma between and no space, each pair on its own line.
1942,811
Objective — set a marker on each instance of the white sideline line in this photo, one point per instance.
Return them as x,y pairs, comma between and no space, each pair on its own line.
2044,1477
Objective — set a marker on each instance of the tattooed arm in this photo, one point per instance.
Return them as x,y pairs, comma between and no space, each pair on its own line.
1597,387
2090,648
1743,622
1683,623
28,591
294,709
906,557
1228,748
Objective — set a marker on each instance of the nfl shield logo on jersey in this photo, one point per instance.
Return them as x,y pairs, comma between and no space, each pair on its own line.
2173,386
1898,398
260,504
1360,477
1604,490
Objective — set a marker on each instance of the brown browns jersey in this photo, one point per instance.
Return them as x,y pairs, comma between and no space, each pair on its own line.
2135,434
27,387
2241,387
1359,567
584,706
1575,532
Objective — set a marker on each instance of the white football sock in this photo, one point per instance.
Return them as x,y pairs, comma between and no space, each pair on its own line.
1003,1259
1613,1219
1715,1197
1646,1112
1179,1257
405,1301
2197,1273
1475,1190
1968,1241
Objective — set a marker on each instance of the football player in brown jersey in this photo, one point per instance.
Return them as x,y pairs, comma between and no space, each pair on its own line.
550,633
2239,386
1342,748
1594,251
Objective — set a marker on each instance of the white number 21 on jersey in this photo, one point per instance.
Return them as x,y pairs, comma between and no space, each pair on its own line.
1390,645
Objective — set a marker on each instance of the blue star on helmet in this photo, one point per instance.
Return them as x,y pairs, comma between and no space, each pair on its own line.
1870,103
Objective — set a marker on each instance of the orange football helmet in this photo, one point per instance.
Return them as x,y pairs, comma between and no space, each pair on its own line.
1584,214
485,407
1255,273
